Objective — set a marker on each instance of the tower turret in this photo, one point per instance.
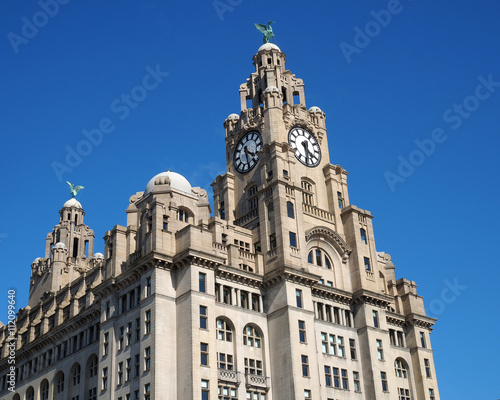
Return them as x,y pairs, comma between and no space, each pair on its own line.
69,252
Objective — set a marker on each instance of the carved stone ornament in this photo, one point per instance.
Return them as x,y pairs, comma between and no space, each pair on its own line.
333,237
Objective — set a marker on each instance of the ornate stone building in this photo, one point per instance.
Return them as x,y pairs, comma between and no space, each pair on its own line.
280,295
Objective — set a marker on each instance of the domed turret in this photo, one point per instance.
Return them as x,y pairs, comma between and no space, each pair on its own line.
173,179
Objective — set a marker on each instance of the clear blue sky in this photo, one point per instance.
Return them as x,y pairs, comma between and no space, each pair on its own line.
428,75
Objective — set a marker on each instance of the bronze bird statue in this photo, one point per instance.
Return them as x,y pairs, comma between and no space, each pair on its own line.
74,190
266,30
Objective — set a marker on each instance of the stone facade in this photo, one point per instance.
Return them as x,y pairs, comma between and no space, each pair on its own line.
280,295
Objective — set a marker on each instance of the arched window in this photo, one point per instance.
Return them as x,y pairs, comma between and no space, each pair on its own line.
289,209
224,331
93,367
401,368
30,393
183,215
362,233
318,257
251,337
16,397
59,381
75,374
44,390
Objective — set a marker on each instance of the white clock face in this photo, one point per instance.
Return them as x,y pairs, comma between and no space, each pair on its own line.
306,147
245,155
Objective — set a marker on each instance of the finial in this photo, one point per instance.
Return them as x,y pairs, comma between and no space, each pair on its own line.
74,190
266,30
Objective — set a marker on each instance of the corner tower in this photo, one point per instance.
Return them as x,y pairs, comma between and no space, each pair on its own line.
69,253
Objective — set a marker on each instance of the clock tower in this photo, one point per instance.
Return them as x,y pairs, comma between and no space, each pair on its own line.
322,276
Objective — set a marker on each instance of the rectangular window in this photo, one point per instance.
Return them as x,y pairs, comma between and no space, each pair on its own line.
108,310
147,391
305,365
120,339
340,200
205,392
148,287
298,297
375,318
345,379
137,368
333,345
253,367
128,370
340,341
367,264
105,345
120,373
380,350
427,368
355,377
293,239
204,353
289,209
352,346
324,343
225,361
129,333
307,394
147,322
328,376
203,317
202,282
404,394
137,329
336,377
422,340
302,331
431,394
147,358
383,378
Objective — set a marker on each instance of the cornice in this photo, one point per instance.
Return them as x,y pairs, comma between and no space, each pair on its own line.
302,277
372,298
332,294
421,321
236,275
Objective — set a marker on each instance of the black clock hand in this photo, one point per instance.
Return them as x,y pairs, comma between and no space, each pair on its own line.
306,148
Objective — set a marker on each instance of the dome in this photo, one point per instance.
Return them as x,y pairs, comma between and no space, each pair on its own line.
268,46
99,256
72,203
315,109
175,180
59,245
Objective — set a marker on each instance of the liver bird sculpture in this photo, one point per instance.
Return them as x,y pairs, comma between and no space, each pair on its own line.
266,30
74,189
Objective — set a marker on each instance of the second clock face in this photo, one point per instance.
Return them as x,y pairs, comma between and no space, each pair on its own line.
245,155
306,147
